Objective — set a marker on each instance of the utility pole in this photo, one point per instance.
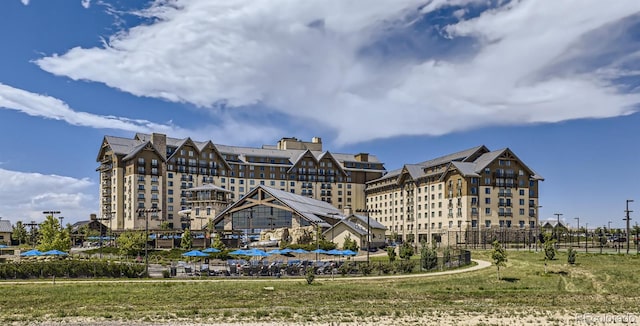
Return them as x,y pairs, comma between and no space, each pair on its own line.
144,212
628,219
368,212
556,228
578,233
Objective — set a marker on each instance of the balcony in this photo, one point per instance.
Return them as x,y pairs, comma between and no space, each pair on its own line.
505,194
505,214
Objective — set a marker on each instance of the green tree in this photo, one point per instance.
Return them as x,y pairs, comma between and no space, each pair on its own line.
549,247
187,241
131,242
428,256
19,233
164,225
499,256
571,256
52,237
350,244
217,243
406,251
391,253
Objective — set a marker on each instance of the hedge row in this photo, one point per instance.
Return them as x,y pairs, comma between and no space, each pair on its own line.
70,268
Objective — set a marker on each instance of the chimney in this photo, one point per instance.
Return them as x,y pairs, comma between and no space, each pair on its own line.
93,217
362,157
347,211
160,142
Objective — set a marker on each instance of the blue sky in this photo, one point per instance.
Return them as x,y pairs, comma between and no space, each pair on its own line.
406,80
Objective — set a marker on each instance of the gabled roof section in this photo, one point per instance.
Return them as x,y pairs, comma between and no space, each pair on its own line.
372,222
215,150
137,149
337,164
465,168
309,208
458,156
119,145
414,171
302,155
486,159
5,226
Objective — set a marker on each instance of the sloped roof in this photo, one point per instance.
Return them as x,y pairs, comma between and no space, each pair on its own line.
466,168
486,159
308,208
457,156
266,151
121,146
372,222
5,226
208,186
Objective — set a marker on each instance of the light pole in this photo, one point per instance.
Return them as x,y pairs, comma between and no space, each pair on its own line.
100,239
144,212
628,219
53,213
586,238
578,233
368,212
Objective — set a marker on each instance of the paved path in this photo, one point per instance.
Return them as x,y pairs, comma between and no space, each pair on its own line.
481,264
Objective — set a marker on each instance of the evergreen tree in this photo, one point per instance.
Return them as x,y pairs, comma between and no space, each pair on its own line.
499,256
406,251
19,233
187,241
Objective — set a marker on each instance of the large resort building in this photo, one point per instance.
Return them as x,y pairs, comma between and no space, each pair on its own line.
472,190
186,183
189,184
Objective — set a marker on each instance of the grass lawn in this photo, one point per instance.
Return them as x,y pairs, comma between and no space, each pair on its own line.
606,284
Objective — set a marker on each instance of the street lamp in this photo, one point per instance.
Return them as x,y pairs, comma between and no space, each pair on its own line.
144,212
368,212
628,219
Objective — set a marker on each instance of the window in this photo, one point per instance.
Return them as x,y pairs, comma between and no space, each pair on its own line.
487,190
487,211
487,200
521,192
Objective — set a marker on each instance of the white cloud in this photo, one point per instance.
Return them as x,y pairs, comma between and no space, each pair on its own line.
85,3
49,107
25,2
305,60
24,196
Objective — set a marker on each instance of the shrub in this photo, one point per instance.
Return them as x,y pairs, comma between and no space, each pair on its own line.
385,268
309,275
571,256
406,266
166,273
69,268
365,268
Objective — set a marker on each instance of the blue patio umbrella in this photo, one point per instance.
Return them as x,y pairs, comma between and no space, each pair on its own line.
31,253
195,253
335,252
3,246
285,251
300,251
54,252
256,253
239,252
211,250
349,252
319,251
274,251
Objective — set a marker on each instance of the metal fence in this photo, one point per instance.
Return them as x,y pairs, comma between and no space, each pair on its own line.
594,240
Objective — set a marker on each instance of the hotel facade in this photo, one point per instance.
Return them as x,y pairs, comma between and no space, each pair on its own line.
468,192
172,176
